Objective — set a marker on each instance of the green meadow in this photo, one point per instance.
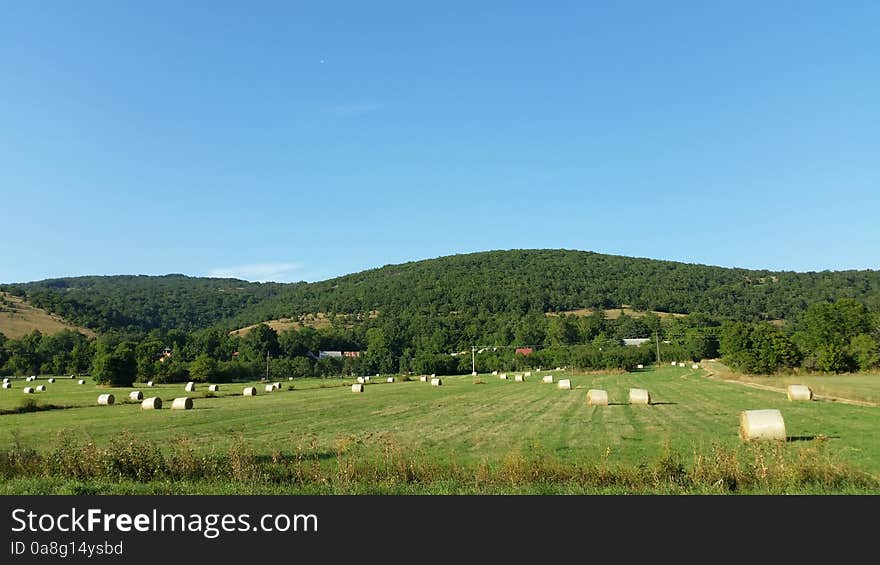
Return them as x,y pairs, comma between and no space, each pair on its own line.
472,434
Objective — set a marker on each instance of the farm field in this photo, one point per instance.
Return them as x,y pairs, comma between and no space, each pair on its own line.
857,387
459,424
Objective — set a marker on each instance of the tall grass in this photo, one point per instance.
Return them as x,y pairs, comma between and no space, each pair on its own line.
751,468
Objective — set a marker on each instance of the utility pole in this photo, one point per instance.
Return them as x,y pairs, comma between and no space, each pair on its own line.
657,337
473,360
267,364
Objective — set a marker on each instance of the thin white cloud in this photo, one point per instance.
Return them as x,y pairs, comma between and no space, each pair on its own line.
354,109
261,272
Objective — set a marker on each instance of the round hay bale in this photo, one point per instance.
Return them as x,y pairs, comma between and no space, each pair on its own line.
72,376
389,380
182,403
681,365
7,385
695,366
28,390
213,388
639,396
528,374
597,397
433,376
673,363
761,425
277,386
41,388
799,392
269,388
423,378
135,395
503,376
51,381
250,391
289,378
31,378
436,382
640,366
106,399
5,380
564,384
359,387
519,378
361,380
494,373
152,403
81,382
547,379
367,379
149,383
190,387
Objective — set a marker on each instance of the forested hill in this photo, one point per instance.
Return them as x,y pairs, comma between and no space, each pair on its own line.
511,282
142,302
520,281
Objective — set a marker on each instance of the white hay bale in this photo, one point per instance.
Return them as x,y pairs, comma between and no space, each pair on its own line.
640,366
673,363
433,375
289,378
361,380
81,382
72,376
423,378
799,392
269,388
564,384
503,377
149,383
5,380
761,424
182,403
277,386
28,390
106,399
558,369
519,378
436,382
250,391
190,387
494,373
7,385
639,396
377,375
547,379
597,397
213,388
367,379
31,378
135,395
41,388
528,373
51,381
681,365
389,380
359,387
695,366
152,403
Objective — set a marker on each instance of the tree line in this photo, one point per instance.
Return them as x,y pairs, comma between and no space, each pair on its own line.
838,336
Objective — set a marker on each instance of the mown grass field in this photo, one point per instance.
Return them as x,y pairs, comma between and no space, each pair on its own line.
860,387
459,423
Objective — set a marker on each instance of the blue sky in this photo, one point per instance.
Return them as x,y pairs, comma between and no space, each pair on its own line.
304,140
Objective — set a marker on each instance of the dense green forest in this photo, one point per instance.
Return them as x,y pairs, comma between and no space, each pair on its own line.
423,315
